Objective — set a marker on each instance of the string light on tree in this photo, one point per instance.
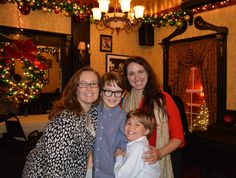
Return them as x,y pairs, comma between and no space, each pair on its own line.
200,123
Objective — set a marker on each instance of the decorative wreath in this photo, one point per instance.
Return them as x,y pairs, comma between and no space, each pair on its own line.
22,88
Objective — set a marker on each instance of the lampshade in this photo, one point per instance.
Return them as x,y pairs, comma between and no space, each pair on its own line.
103,5
125,5
138,11
96,13
81,45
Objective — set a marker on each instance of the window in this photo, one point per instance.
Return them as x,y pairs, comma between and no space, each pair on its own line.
180,55
195,106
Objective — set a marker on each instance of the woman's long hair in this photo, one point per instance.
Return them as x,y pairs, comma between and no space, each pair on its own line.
68,99
152,92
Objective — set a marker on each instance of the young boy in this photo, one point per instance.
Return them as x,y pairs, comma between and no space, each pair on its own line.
131,165
110,126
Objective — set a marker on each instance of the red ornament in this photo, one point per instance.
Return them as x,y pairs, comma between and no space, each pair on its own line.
79,17
88,12
25,9
57,10
228,120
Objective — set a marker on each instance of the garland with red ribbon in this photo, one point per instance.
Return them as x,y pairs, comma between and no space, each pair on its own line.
21,88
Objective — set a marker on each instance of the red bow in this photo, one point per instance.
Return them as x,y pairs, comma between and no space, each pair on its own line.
22,48
25,48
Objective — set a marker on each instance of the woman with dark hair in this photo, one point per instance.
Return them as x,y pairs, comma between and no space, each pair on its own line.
62,150
144,93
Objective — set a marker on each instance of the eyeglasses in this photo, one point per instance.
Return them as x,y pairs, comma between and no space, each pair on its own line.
117,94
85,85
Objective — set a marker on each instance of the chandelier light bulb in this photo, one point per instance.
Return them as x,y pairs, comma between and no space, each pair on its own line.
96,13
125,5
103,5
116,20
138,11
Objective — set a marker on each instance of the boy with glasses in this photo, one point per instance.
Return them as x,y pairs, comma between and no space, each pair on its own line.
110,126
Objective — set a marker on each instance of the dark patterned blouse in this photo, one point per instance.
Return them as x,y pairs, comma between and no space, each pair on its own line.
63,149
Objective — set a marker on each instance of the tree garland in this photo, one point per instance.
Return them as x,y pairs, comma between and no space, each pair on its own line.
14,87
81,11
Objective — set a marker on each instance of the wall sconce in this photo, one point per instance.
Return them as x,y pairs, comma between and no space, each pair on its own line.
81,47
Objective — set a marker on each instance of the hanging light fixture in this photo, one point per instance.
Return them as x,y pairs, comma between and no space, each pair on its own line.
117,20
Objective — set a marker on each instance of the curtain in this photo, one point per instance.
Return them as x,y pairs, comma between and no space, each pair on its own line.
201,54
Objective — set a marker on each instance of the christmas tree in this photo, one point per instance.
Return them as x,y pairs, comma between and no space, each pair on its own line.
200,123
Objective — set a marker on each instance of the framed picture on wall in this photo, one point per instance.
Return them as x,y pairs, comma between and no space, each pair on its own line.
106,43
115,62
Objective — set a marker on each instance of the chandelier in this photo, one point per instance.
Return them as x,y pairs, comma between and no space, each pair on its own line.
122,18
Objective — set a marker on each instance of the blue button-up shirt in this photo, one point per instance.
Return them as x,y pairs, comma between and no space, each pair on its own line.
109,136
